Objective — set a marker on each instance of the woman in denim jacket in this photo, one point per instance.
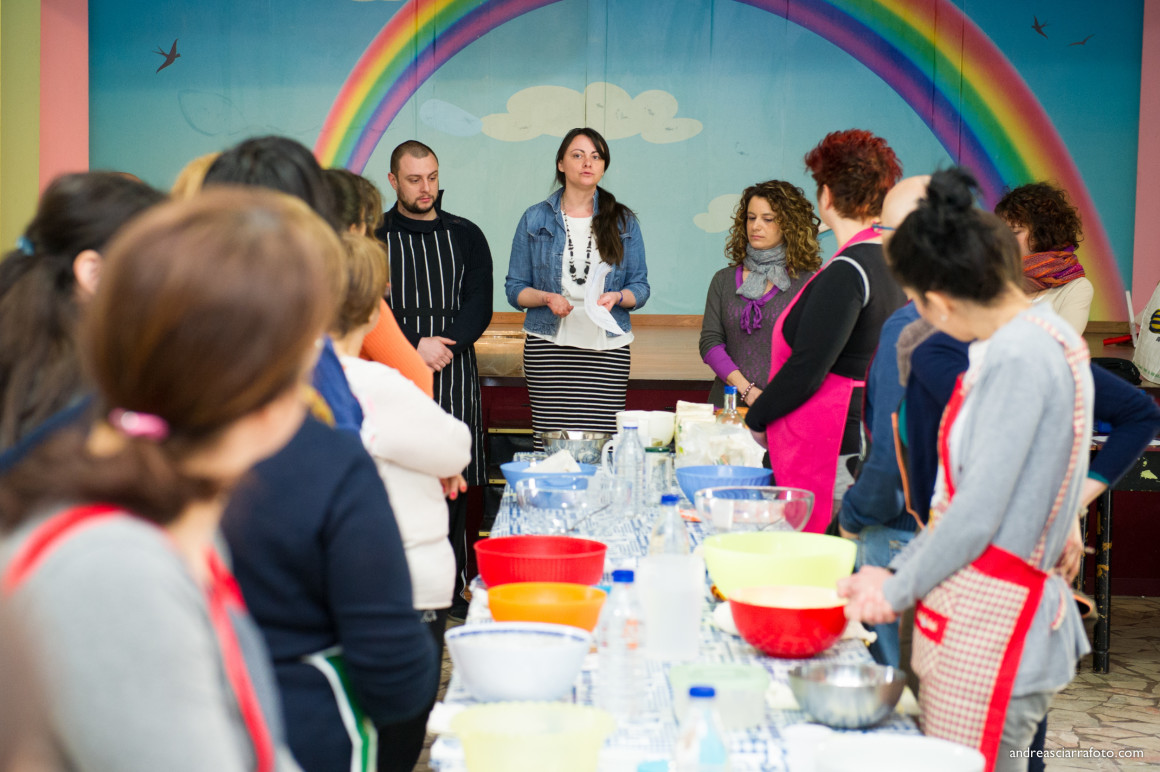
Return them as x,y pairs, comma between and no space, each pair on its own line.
577,267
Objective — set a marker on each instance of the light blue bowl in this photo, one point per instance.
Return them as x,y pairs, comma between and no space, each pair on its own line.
694,478
514,471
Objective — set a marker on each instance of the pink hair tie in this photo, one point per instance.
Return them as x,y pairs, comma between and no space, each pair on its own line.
133,424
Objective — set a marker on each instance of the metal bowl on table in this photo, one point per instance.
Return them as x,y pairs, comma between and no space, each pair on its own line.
584,446
847,696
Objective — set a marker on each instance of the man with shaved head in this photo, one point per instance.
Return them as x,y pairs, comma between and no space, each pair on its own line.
873,511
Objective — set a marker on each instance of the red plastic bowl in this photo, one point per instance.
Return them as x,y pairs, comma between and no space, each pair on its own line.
788,622
507,559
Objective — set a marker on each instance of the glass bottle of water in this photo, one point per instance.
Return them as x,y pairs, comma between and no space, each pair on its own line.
701,740
618,642
630,465
669,534
729,414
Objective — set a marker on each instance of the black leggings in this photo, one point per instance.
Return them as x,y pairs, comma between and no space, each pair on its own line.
401,743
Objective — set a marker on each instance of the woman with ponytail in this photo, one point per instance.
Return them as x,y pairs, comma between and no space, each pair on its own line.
198,343
996,632
43,284
577,267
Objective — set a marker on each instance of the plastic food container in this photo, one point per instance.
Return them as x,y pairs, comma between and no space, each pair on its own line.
507,559
740,691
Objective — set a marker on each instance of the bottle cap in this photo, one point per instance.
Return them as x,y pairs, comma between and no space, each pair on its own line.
730,389
628,423
702,691
670,500
624,575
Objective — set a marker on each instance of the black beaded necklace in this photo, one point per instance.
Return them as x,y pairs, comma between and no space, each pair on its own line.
572,272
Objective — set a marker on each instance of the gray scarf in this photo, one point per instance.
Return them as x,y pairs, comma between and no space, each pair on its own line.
764,265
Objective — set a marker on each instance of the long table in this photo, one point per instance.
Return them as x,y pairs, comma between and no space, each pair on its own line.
652,735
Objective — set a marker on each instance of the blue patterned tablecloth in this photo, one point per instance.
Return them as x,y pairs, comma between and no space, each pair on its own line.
652,736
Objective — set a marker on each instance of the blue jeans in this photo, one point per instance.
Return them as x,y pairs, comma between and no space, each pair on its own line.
877,546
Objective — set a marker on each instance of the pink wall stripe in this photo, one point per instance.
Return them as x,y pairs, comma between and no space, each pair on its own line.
64,88
1146,257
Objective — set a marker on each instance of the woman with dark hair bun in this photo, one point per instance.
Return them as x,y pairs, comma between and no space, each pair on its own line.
577,267
773,251
43,285
810,414
1048,229
996,631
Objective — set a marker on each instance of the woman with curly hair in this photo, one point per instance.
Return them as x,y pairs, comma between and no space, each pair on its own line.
772,251
1048,229
810,415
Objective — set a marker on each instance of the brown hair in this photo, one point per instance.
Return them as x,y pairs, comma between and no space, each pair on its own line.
1052,222
206,312
612,216
858,167
413,148
192,175
366,273
795,217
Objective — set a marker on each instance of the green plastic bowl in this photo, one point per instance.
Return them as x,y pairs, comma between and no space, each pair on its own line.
532,736
755,559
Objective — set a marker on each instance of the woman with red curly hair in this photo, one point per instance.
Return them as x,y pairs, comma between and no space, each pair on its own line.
773,252
810,414
1048,229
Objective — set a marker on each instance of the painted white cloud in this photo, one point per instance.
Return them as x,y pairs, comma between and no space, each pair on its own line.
554,110
720,214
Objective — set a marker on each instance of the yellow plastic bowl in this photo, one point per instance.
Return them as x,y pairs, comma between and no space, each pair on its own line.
532,736
754,559
555,602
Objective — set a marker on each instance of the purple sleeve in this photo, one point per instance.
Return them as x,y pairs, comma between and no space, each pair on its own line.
718,359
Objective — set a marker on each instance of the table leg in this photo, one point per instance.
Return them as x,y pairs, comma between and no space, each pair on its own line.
1100,657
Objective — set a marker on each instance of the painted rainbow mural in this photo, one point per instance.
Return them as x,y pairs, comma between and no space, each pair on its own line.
974,101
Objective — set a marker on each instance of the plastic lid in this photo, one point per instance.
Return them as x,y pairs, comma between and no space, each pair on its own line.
670,500
702,691
623,575
730,389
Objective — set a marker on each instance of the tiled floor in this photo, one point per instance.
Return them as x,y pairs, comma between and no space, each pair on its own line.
1114,713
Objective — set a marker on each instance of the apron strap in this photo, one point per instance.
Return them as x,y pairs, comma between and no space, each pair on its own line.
47,536
862,272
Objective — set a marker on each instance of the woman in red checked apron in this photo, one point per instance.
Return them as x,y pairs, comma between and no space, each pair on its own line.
1013,454
809,415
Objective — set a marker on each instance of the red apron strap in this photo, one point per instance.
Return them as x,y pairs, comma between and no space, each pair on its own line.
46,536
224,594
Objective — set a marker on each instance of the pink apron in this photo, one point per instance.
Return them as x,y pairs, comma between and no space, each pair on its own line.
804,445
969,631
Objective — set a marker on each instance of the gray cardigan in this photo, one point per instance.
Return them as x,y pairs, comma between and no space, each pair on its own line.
1015,439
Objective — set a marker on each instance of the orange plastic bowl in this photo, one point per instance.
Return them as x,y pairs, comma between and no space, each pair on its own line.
507,559
788,622
555,602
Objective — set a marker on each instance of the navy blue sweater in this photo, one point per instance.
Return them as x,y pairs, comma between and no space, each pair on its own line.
318,556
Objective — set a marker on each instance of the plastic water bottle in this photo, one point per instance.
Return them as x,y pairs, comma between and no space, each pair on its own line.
618,639
729,414
701,742
629,462
669,534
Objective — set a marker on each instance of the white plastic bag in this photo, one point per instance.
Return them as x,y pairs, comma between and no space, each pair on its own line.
1147,356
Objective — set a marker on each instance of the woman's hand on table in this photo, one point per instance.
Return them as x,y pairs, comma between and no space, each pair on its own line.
865,599
558,304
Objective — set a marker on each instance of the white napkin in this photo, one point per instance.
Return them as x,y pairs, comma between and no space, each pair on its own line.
600,315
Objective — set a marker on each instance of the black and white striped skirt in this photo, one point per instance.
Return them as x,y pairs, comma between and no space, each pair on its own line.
575,388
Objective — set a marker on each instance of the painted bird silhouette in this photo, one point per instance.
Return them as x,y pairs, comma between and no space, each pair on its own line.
169,57
1039,27
1084,41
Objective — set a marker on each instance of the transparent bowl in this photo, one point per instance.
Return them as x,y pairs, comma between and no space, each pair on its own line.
755,508
555,504
847,696
518,660
737,560
532,736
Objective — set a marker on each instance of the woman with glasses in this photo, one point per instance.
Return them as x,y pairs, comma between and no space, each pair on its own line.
810,414
773,251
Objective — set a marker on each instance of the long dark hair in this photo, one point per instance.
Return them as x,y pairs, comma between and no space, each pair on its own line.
612,216
950,245
206,312
39,371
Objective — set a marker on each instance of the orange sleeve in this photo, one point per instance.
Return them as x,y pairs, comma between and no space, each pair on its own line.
387,345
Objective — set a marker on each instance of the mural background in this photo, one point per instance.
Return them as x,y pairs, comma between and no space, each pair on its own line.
698,100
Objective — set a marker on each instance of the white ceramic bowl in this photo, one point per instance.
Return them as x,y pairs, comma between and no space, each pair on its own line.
887,752
655,426
518,660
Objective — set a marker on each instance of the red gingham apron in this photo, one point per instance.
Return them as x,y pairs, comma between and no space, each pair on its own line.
804,445
222,594
969,631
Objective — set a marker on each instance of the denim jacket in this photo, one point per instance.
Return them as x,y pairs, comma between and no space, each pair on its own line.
537,261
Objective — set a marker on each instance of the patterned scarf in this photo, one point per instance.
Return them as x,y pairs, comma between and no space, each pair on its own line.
764,265
1044,270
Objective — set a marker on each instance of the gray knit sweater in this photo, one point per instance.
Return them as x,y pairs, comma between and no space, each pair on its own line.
1011,447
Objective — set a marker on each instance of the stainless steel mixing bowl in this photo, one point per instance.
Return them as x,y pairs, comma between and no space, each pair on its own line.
847,696
585,447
